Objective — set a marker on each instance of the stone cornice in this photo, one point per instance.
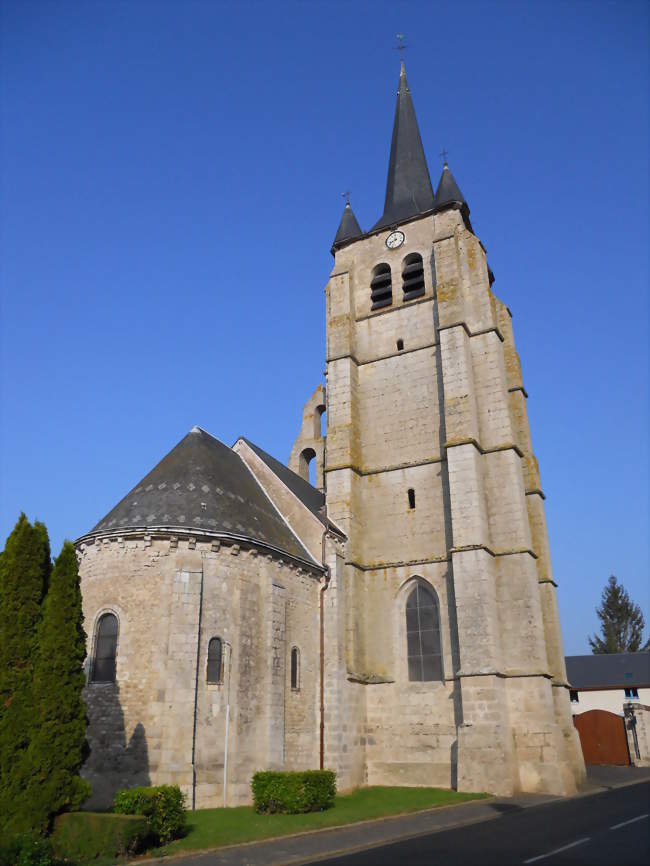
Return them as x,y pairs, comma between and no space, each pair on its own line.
427,299
410,563
505,446
514,551
493,330
381,469
172,534
395,354
509,673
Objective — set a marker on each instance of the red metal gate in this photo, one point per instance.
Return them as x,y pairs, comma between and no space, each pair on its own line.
602,737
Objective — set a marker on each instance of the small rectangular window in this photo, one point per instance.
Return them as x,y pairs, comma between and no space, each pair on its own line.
400,345
411,498
573,694
632,694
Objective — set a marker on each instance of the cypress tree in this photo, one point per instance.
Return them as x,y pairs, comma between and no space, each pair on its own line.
24,572
621,622
58,747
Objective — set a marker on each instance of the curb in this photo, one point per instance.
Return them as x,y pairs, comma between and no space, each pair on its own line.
369,846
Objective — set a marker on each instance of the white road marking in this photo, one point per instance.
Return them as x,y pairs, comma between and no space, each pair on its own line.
631,821
557,850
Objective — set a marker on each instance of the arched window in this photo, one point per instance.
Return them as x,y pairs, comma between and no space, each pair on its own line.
295,668
381,289
103,669
423,635
215,660
307,465
412,276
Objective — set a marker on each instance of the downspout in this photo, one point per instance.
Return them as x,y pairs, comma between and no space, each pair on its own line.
196,694
321,597
225,743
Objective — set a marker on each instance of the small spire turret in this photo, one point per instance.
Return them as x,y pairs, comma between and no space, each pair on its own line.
349,228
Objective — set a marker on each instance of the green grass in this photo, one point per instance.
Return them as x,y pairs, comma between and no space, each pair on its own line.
210,828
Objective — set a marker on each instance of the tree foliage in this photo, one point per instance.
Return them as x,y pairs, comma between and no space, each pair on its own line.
621,622
24,575
58,747
42,648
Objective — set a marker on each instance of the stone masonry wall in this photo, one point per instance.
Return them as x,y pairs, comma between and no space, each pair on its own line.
141,727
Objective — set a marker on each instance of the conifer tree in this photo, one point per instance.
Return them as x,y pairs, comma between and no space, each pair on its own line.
621,621
58,747
24,572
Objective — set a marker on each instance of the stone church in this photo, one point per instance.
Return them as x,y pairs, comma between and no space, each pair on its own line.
397,622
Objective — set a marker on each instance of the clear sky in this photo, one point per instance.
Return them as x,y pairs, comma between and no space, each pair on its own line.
171,184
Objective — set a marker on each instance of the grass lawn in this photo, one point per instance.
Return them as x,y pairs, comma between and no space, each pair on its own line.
210,828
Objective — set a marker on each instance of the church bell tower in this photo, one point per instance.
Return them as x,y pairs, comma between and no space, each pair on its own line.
451,621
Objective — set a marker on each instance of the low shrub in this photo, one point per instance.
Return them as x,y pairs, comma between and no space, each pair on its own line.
292,793
83,836
28,849
163,807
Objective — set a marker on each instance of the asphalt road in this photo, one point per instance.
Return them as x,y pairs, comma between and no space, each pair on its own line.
612,829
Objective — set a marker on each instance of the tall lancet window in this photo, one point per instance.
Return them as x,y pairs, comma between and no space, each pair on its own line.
423,635
381,288
215,660
103,669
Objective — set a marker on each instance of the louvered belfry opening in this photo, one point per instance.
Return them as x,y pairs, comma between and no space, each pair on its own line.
413,276
381,288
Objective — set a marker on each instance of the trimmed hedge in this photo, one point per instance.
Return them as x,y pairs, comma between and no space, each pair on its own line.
163,807
83,836
293,793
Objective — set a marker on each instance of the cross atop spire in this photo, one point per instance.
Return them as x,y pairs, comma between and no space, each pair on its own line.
444,153
408,187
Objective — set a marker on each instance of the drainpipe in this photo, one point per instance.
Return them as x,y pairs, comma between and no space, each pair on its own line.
321,598
225,745
196,694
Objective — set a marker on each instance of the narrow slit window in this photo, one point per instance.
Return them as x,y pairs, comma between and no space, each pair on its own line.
411,498
295,669
573,694
400,345
215,660
412,276
381,287
105,650
423,645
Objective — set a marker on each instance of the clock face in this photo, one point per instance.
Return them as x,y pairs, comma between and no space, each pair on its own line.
395,240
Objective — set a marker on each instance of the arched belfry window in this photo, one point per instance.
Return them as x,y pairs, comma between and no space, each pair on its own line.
423,635
412,276
381,289
295,668
215,660
103,668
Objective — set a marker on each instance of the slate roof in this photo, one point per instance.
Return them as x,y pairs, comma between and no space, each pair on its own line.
310,496
408,187
606,671
203,485
348,229
448,191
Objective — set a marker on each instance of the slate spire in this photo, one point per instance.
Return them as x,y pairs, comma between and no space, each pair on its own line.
448,192
348,229
408,188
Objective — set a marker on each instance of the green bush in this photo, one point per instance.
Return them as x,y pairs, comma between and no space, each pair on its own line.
163,806
83,836
28,849
292,793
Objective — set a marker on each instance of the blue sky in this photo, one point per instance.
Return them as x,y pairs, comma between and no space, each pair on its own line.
171,179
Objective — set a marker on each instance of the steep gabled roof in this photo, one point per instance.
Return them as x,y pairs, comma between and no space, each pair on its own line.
205,486
408,188
310,497
608,670
348,230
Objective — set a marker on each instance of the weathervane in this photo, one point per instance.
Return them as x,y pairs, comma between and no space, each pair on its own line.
443,154
346,196
401,47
